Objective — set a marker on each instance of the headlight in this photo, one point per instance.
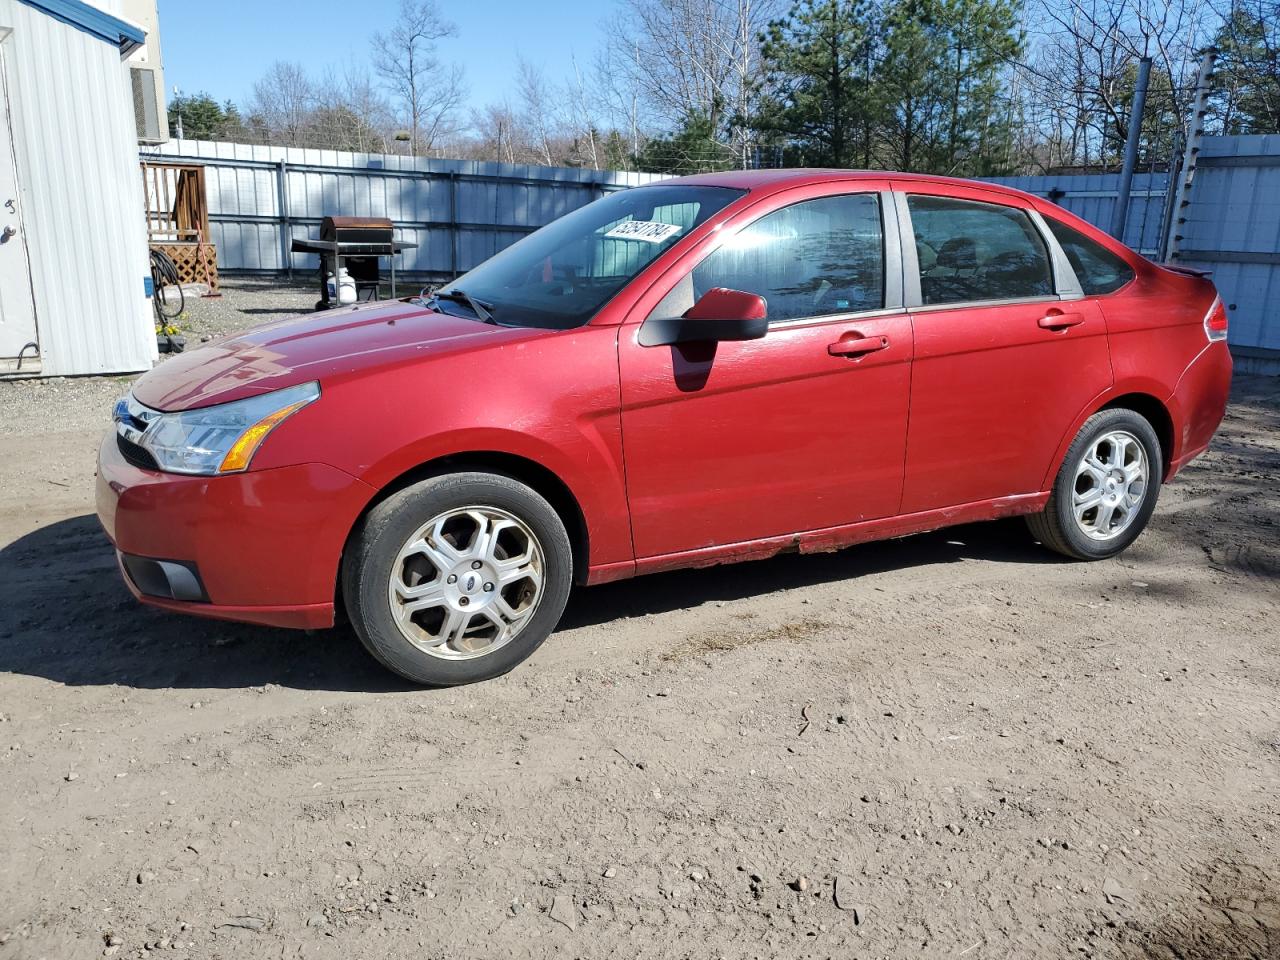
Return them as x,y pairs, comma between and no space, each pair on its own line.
213,440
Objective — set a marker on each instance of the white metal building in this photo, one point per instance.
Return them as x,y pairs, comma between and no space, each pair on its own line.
74,269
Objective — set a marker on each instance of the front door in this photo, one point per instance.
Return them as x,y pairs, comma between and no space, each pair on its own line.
1007,350
17,308
800,430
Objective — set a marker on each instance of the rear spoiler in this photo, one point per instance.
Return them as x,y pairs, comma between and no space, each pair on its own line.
1186,271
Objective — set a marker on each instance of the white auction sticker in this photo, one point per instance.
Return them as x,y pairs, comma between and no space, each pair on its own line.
650,231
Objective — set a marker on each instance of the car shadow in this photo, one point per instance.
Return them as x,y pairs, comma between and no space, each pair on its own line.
1001,540
76,624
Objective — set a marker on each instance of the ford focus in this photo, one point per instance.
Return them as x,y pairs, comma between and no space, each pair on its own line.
697,371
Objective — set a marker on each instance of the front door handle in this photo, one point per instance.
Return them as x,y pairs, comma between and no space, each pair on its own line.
855,345
1060,321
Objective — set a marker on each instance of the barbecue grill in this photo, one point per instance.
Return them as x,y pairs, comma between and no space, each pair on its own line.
359,244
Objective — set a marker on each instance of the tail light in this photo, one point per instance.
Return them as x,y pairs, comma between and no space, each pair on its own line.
1215,321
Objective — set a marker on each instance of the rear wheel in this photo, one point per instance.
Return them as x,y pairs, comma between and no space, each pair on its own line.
458,578
1106,489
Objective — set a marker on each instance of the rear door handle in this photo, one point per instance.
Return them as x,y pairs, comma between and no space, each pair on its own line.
854,345
1060,321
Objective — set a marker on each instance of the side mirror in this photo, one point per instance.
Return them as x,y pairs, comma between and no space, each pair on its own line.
720,314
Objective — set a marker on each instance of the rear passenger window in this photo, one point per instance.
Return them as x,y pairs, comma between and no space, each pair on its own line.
971,251
1097,268
811,259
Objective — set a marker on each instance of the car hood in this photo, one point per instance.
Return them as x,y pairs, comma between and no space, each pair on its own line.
314,347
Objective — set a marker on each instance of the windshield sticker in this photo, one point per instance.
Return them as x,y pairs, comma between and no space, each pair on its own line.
650,231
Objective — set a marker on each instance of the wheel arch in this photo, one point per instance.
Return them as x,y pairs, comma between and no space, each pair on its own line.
532,474
1157,414
1141,399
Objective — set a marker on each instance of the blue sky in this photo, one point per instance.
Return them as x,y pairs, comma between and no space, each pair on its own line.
223,48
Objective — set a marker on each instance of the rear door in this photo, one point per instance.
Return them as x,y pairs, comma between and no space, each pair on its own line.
1007,350
801,430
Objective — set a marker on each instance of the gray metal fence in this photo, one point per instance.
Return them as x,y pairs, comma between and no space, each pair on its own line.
458,212
1092,197
1231,226
462,212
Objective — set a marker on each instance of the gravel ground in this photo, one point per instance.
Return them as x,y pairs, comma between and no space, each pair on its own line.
950,745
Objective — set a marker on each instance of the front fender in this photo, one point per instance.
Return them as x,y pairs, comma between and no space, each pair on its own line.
593,475
552,400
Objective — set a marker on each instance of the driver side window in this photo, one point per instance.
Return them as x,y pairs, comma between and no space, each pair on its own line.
812,259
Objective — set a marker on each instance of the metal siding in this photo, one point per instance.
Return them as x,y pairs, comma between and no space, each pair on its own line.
493,205
1092,197
415,193
1235,209
81,194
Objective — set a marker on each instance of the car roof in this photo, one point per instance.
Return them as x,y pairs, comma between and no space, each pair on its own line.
769,181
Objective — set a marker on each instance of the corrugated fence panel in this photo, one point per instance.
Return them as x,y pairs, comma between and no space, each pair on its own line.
458,212
461,212
1092,197
1231,226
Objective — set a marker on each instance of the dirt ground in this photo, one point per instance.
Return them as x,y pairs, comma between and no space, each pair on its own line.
951,745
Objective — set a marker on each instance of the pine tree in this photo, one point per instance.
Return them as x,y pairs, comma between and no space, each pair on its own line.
1249,68
909,82
820,61
203,118
693,148
941,81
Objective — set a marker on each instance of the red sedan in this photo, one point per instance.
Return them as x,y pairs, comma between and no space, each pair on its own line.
698,371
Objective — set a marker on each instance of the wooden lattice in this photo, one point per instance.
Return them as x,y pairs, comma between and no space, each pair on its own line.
189,260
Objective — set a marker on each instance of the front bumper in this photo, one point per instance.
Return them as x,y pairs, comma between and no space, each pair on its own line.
266,544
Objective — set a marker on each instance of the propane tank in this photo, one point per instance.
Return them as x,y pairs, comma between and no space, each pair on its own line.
346,287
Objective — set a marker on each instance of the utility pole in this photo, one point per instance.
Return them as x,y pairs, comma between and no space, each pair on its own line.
1121,215
177,98
1187,172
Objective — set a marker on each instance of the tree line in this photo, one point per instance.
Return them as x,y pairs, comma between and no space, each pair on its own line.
960,87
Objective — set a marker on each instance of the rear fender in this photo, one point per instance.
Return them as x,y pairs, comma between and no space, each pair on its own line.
1159,392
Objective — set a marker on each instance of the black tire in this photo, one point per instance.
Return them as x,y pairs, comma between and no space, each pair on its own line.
374,546
1056,526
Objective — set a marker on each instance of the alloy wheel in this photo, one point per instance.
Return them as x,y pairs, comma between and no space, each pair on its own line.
466,582
1110,484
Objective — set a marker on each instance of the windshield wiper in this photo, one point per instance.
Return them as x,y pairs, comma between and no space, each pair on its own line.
483,310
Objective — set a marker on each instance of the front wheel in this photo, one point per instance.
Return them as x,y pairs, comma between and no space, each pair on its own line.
457,578
1106,489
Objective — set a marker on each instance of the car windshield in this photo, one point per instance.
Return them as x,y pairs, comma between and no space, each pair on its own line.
559,276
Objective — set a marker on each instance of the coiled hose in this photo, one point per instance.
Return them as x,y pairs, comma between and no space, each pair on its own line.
168,298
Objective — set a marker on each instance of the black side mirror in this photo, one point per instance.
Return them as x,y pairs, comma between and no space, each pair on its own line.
720,314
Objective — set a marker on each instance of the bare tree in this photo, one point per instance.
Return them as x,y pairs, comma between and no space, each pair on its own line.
351,113
429,92
282,103
1080,78
499,134
580,102
537,100
687,59
620,98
